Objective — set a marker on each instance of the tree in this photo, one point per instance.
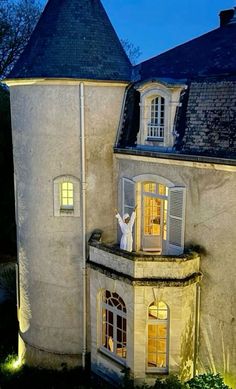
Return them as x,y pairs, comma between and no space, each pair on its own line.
17,21
131,50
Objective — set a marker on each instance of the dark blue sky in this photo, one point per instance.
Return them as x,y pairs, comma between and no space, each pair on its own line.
158,25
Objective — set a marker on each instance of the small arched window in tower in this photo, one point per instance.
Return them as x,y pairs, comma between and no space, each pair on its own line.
114,323
156,122
67,195
158,337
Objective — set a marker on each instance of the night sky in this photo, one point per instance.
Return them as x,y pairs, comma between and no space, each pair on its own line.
158,25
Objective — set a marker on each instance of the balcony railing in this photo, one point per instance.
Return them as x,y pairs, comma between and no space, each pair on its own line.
155,131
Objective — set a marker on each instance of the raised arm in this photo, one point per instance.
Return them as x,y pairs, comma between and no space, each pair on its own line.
133,216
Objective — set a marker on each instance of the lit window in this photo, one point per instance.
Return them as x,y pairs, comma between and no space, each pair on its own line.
158,317
114,325
67,195
156,122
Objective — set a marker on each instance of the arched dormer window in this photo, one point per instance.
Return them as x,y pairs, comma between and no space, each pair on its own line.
114,323
158,103
156,123
158,337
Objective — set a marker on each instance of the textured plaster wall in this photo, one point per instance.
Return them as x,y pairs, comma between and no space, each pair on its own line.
46,144
210,224
102,115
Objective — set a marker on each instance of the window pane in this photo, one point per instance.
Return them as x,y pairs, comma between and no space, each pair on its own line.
113,325
161,360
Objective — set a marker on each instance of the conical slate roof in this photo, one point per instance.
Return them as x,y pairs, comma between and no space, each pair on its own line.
74,39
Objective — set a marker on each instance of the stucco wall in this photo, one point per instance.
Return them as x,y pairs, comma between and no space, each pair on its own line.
210,224
46,144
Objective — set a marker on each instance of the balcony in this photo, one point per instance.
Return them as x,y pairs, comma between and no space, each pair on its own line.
142,266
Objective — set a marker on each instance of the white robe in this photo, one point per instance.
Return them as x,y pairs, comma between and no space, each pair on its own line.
126,242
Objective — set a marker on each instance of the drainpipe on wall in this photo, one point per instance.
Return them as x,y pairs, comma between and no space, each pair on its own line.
197,328
83,181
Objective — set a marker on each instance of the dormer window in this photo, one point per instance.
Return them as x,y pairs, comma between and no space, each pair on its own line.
158,103
156,124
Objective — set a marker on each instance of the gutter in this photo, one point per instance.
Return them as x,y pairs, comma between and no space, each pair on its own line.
83,179
197,328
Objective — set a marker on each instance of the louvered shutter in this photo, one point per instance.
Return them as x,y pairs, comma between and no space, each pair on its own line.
128,194
176,220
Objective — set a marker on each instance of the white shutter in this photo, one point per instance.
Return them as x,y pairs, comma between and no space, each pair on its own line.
128,196
176,220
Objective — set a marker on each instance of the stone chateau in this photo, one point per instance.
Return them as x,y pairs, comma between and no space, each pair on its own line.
91,133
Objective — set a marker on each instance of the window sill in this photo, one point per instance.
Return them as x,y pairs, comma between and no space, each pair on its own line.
155,370
66,211
154,139
112,356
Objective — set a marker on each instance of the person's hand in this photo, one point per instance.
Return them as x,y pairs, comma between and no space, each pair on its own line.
116,211
135,207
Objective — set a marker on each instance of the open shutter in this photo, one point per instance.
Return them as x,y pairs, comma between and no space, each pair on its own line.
128,196
176,220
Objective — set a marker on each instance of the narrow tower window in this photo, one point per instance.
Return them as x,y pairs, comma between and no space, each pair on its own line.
67,195
158,320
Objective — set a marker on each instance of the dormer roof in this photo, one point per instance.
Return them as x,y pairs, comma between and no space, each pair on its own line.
74,39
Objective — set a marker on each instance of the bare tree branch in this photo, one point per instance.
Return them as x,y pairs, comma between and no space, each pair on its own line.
17,21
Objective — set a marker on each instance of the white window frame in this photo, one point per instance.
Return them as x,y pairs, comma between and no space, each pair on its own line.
155,129
60,210
137,182
171,94
116,312
156,322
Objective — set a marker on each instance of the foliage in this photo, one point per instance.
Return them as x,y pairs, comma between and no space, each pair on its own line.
8,281
133,52
207,381
17,21
8,329
170,382
7,220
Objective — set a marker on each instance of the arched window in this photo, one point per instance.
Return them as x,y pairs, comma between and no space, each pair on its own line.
156,122
160,218
158,337
114,324
66,196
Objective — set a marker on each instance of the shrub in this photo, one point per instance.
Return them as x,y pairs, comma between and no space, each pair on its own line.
171,382
207,381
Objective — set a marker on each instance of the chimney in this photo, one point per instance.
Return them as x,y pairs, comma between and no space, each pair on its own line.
227,16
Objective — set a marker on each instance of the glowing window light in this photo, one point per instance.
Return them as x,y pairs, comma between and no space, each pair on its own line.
114,325
67,195
158,317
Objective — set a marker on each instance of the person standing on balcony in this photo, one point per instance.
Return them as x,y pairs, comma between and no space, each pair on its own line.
126,226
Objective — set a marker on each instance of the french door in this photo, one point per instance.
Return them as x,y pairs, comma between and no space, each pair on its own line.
154,210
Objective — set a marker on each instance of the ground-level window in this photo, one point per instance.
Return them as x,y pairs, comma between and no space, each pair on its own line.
158,337
114,323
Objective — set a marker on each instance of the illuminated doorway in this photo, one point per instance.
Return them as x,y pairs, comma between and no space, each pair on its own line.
154,216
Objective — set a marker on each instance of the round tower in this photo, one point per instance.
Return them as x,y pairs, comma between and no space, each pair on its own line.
66,91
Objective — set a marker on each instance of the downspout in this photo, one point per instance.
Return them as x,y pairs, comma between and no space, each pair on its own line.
83,181
197,328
